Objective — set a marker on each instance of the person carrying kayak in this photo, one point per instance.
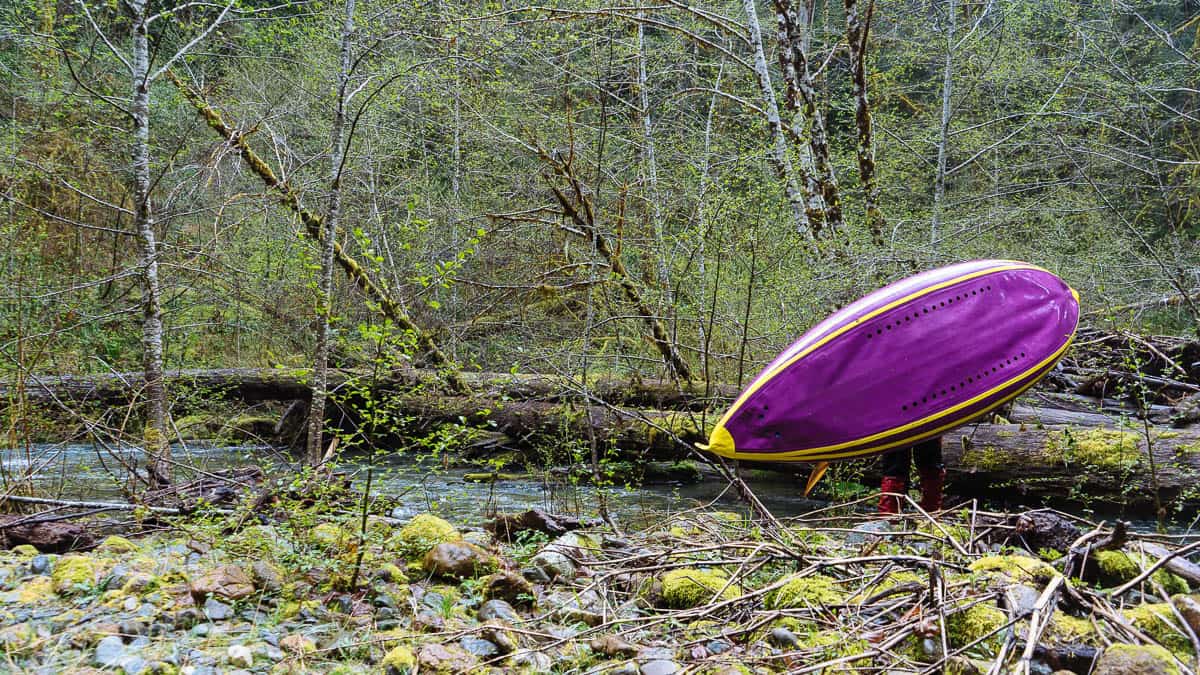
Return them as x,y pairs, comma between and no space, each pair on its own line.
897,467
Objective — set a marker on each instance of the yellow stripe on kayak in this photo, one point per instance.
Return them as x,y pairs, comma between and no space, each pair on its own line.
722,443
758,384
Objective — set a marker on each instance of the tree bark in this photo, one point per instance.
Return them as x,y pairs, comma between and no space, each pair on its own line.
578,207
857,29
802,100
808,207
337,154
155,435
939,184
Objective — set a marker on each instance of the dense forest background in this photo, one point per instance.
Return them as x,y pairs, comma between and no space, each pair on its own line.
1061,133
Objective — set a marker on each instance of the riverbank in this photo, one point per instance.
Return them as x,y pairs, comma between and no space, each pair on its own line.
292,587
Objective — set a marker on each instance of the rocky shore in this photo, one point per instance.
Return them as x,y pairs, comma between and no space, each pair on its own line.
704,591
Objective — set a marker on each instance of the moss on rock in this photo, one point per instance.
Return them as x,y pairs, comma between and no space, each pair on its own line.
689,587
73,573
976,623
117,545
1118,567
1158,621
398,660
422,533
1123,659
1016,567
806,591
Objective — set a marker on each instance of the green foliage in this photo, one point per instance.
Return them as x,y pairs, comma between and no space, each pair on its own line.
688,587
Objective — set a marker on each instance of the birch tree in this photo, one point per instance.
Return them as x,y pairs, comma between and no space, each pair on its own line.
138,64
337,156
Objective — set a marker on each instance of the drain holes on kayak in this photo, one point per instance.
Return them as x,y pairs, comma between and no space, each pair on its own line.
962,384
926,310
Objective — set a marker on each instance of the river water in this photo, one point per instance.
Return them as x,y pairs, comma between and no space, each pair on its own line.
85,472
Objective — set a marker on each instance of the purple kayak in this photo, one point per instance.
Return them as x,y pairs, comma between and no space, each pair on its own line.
905,363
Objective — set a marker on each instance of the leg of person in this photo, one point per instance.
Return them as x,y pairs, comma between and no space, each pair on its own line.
896,465
928,458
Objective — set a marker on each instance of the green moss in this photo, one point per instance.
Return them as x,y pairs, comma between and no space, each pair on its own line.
1136,655
1158,621
25,551
36,590
1049,554
422,533
398,660
73,573
830,644
986,457
1070,630
976,623
1016,567
115,544
1118,567
809,591
333,537
689,587
1106,449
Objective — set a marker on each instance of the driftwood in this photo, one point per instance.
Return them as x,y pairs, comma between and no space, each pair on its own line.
47,537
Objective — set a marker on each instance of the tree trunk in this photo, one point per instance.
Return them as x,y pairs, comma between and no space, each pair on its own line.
802,98
337,153
857,29
939,185
808,208
155,435
578,207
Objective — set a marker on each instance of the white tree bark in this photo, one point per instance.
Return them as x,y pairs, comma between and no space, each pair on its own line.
939,184
157,448
337,153
804,210
648,157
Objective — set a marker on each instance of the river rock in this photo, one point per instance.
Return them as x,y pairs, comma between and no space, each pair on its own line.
479,647
612,646
660,667
498,609
783,638
216,610
510,587
227,581
109,651
459,560
427,621
1121,659
40,564
240,656
435,657
554,565
867,531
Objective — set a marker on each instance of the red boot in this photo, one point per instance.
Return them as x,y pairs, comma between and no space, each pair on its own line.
889,501
932,481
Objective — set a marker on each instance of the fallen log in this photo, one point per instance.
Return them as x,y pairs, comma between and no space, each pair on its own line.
256,385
